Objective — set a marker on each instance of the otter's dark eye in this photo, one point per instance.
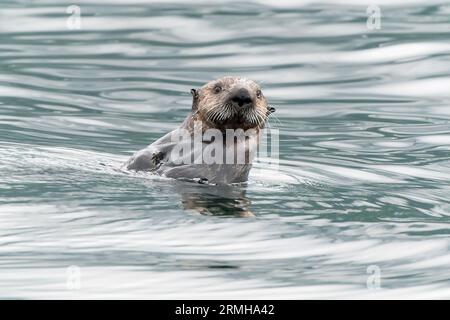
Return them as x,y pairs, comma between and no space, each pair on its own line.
258,94
217,89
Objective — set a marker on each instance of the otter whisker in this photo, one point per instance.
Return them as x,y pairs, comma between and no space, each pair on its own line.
278,120
216,115
250,117
224,113
213,113
257,117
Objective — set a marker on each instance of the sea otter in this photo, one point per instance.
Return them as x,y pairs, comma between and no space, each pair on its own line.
217,141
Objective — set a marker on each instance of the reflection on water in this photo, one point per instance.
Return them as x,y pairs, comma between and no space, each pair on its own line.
225,200
362,182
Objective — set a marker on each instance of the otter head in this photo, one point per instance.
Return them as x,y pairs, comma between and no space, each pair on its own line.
231,103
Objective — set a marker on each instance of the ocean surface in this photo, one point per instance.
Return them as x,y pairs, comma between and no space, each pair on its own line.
358,207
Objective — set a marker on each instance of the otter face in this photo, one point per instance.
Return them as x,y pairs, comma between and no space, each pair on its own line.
232,102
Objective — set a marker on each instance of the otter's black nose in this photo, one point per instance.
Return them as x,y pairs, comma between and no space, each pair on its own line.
242,98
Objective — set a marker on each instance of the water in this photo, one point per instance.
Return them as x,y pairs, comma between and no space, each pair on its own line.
362,187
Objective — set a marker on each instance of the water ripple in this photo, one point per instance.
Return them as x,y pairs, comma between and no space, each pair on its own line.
364,143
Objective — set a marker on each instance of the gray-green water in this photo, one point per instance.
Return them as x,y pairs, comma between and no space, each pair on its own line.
363,181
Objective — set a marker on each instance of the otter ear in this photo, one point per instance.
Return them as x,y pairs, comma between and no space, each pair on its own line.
194,93
270,110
